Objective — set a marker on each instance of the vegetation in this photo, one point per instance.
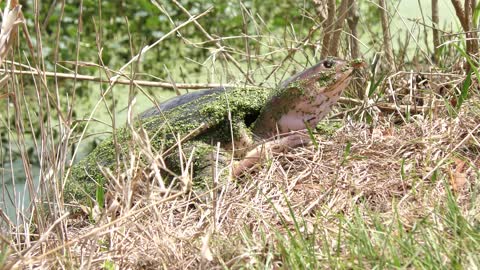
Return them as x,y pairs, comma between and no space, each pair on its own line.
391,179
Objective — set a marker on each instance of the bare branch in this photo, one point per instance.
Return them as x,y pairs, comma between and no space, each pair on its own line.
320,9
117,81
465,15
435,22
460,14
335,39
352,20
327,28
216,42
386,33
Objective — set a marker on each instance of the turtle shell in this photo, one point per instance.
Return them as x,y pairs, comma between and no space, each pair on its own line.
179,100
201,115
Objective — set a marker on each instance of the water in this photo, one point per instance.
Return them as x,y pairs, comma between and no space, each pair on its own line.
15,196
15,193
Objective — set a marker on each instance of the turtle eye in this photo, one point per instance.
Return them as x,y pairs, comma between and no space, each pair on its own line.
328,63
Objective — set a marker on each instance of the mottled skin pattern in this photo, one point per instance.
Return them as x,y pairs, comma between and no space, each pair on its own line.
299,103
240,119
304,99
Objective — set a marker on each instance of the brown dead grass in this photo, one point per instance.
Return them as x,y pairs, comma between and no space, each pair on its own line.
401,170
388,171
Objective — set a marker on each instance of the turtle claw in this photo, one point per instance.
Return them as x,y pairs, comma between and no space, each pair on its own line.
275,146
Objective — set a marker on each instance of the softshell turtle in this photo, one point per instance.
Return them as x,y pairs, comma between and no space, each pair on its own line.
239,119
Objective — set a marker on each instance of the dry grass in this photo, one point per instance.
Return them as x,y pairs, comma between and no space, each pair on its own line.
388,174
400,192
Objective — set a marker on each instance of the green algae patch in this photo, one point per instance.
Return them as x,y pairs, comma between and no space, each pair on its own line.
328,128
204,118
326,78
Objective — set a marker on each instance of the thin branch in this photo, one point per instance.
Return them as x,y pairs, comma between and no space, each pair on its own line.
328,27
216,42
118,81
435,23
460,13
352,20
335,40
386,33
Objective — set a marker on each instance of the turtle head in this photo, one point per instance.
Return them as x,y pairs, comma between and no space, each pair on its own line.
304,99
326,73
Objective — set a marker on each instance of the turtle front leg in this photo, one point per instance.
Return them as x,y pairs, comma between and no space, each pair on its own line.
262,151
208,163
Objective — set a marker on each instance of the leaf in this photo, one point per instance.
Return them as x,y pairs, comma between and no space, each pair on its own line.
374,85
458,177
476,13
346,153
100,196
206,252
464,93
312,137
